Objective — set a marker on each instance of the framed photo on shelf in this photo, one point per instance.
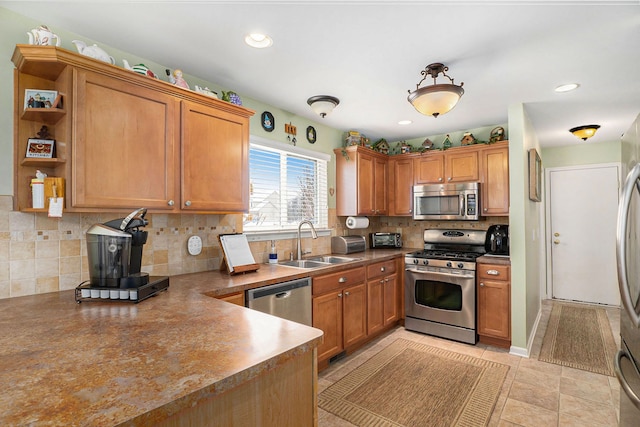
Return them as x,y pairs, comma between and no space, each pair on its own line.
40,148
535,175
38,98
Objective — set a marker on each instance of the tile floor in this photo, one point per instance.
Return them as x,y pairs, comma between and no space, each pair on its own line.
534,393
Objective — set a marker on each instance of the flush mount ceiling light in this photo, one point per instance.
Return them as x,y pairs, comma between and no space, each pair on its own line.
585,132
436,99
323,104
257,40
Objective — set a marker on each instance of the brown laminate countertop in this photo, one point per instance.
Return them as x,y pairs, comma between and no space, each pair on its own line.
117,363
498,260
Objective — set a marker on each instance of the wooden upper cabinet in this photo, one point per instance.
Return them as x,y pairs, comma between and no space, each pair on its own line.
494,187
400,186
453,165
461,165
126,141
429,168
215,159
124,145
361,182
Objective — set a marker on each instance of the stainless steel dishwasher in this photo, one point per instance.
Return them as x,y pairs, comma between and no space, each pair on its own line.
289,300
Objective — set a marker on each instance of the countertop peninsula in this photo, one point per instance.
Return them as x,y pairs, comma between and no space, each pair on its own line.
118,363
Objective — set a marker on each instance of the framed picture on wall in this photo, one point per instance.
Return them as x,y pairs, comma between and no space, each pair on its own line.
40,148
535,175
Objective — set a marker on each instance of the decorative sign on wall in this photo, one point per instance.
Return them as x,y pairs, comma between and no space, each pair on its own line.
311,135
268,121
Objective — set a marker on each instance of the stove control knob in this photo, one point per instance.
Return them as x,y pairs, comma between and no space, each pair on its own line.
449,264
460,265
425,262
415,261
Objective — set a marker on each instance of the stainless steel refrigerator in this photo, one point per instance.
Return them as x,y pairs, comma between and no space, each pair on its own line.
627,361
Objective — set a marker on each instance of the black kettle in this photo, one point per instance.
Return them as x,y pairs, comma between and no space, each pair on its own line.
497,241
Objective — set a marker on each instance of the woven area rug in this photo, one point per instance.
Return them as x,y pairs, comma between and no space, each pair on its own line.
579,337
412,384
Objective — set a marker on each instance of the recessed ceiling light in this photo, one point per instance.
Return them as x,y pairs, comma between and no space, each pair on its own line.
567,87
405,122
258,40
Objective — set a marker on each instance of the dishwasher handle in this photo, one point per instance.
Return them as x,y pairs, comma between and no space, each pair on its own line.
283,295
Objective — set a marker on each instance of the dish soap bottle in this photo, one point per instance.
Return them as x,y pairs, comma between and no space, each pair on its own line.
273,255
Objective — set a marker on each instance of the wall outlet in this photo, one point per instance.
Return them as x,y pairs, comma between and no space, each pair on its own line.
194,245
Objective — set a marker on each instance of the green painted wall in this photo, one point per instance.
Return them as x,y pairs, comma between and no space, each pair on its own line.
582,153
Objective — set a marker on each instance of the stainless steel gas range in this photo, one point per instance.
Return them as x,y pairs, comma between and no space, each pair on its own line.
440,284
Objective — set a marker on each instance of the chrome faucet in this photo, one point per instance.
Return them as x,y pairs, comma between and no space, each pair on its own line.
313,234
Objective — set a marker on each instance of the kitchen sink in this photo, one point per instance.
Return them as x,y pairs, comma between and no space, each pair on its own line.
332,259
317,261
304,263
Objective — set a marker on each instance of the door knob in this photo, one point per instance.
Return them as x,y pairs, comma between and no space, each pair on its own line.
556,242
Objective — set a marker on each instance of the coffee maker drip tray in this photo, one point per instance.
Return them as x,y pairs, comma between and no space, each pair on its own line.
86,292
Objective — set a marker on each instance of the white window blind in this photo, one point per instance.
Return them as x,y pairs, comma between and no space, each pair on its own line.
287,185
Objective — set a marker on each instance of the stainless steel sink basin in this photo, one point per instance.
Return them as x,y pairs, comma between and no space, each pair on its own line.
332,259
304,263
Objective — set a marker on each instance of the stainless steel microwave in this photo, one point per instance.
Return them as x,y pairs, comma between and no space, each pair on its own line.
460,201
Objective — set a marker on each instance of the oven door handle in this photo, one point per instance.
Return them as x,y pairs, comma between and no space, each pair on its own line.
438,273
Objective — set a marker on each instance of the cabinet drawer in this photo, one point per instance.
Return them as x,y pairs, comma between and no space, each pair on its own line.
384,268
493,272
342,279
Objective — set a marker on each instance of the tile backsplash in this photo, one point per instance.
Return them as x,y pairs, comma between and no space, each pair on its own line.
39,254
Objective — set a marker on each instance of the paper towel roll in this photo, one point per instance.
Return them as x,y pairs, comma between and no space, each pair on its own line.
357,222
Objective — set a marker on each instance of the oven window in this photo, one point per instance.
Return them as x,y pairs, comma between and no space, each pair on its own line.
438,205
442,295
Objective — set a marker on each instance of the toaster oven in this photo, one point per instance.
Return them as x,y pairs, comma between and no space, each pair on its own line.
385,240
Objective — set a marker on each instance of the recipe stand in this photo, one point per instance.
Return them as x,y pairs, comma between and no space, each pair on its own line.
236,254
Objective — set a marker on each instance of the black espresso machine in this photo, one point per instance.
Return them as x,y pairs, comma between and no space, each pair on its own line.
114,252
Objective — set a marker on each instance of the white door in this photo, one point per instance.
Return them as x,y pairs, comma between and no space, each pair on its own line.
583,212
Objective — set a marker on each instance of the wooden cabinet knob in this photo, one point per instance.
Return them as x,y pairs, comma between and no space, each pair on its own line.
187,203
481,284
342,280
171,203
346,293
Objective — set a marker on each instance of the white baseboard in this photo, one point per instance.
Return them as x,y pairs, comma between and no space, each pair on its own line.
526,352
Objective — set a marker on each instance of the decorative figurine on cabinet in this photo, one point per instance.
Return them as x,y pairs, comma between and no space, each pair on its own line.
446,143
468,139
497,134
177,79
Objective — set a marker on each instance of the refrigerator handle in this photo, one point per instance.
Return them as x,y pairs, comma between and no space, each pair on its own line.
622,380
621,247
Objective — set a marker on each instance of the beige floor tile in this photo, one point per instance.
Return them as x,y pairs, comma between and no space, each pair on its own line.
585,390
589,412
535,395
580,375
538,378
528,415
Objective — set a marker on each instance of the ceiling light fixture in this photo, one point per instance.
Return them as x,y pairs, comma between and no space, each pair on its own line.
257,40
404,122
323,104
436,99
585,132
567,87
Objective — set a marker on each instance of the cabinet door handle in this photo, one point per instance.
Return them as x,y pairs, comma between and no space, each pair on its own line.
485,209
383,269
493,272
340,295
171,203
342,280
346,293
449,179
187,203
381,282
481,284
440,179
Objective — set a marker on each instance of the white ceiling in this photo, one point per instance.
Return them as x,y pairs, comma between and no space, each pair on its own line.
370,53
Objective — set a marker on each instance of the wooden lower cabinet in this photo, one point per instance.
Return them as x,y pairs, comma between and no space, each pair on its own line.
282,396
235,298
494,304
340,310
383,308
